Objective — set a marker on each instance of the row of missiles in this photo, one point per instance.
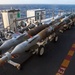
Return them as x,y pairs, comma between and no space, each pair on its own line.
26,35
34,40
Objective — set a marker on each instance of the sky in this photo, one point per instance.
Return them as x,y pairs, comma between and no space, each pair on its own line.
37,1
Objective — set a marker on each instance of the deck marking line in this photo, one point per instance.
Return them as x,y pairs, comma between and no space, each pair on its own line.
71,53
73,45
72,49
61,71
68,57
66,61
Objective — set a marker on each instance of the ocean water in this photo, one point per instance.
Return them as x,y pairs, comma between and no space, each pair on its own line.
24,7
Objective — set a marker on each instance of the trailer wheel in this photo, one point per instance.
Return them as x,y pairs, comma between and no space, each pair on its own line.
41,50
56,39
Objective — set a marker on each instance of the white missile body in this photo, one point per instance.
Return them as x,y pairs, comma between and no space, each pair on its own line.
24,46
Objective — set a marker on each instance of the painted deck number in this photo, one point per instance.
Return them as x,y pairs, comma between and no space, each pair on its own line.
66,61
61,71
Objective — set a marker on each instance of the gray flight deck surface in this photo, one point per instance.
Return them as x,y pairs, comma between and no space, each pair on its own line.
50,62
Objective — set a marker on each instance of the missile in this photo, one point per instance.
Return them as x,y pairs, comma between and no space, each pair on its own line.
20,48
56,19
59,18
67,22
14,41
31,42
26,45
72,17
